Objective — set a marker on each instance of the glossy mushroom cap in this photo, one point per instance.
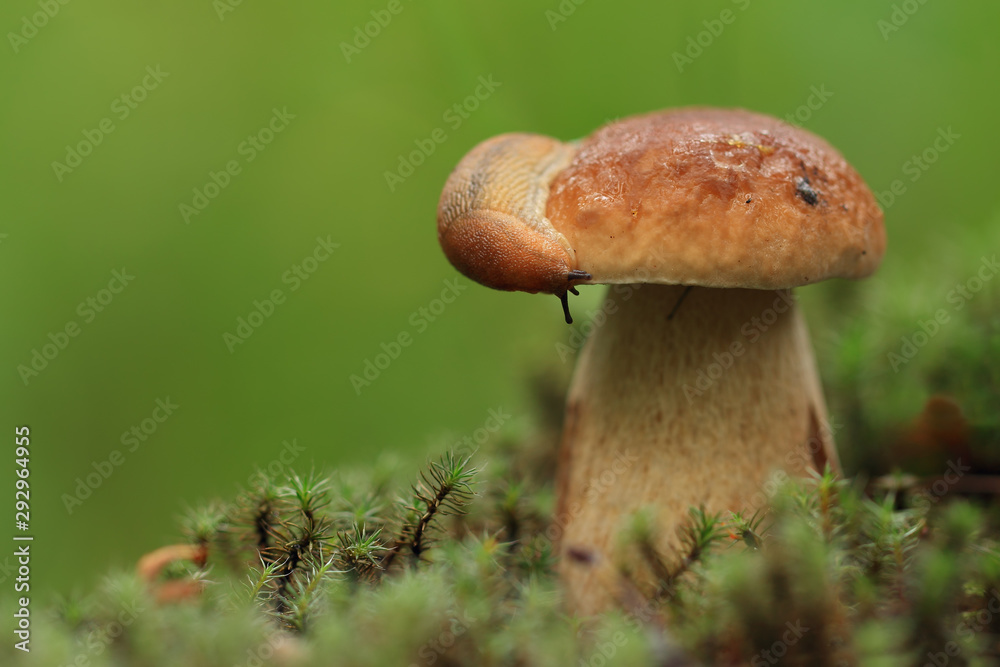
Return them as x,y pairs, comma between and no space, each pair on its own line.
696,196
718,198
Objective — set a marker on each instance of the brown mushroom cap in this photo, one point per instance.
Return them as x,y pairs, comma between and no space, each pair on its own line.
718,198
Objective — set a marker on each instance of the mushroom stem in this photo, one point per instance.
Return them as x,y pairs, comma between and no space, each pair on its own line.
707,408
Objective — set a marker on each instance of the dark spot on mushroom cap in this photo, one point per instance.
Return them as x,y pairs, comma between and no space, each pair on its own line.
748,199
805,190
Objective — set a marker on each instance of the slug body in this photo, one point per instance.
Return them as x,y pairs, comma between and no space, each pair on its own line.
491,217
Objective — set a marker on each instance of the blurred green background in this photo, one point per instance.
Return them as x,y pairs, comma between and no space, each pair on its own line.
889,86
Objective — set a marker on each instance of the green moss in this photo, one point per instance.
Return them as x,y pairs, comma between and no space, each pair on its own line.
353,569
914,330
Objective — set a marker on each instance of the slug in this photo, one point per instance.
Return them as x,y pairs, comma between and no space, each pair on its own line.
491,218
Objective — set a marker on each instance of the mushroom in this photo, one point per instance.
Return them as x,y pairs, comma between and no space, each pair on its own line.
672,405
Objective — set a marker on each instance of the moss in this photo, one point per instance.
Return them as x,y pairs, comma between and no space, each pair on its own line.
350,569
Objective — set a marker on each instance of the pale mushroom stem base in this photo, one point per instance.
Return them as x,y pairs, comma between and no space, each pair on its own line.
707,408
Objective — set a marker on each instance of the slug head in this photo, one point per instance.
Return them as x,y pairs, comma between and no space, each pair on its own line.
491,217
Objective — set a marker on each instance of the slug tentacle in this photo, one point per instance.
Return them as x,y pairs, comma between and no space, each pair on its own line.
491,217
